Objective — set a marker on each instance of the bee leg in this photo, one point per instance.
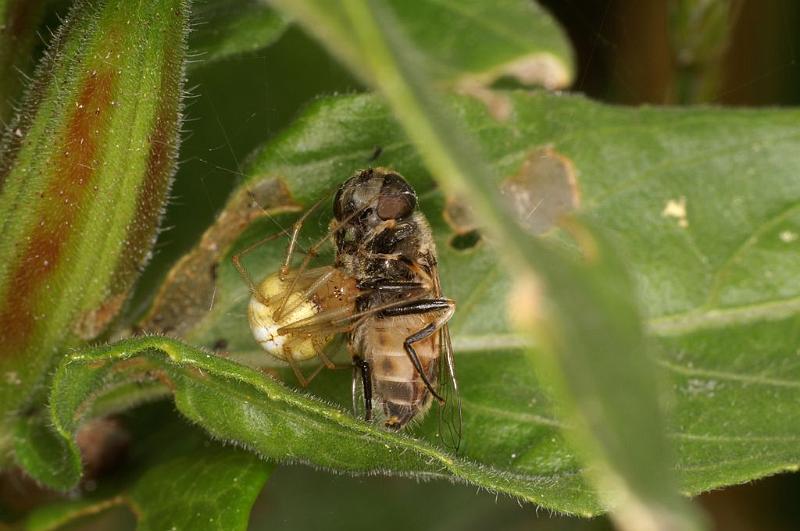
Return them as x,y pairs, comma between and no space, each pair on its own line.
412,354
423,306
388,286
360,365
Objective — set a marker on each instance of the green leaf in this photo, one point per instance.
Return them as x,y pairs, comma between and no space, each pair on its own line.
470,43
236,403
41,452
84,173
224,28
590,328
55,516
174,479
19,22
480,42
630,165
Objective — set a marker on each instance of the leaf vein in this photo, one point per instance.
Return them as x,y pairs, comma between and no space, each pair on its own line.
739,252
752,379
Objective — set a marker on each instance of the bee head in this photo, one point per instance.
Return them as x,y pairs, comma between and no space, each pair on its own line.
375,191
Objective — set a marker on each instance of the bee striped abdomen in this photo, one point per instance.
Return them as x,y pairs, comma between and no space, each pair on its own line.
401,391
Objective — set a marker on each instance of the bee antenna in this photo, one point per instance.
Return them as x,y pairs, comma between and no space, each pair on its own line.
376,153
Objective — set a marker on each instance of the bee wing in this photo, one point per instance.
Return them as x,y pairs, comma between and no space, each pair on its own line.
359,406
340,319
450,414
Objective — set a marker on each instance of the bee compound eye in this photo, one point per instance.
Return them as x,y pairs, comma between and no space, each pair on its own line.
397,199
395,206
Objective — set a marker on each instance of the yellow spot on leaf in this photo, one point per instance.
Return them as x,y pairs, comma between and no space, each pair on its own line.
676,208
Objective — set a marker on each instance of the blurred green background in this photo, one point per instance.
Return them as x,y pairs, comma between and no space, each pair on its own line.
626,55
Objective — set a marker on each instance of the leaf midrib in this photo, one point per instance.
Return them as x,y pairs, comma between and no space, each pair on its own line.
697,319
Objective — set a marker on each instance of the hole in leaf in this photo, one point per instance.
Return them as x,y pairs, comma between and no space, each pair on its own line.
544,190
466,241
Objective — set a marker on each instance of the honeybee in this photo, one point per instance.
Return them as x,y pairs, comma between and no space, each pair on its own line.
383,292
